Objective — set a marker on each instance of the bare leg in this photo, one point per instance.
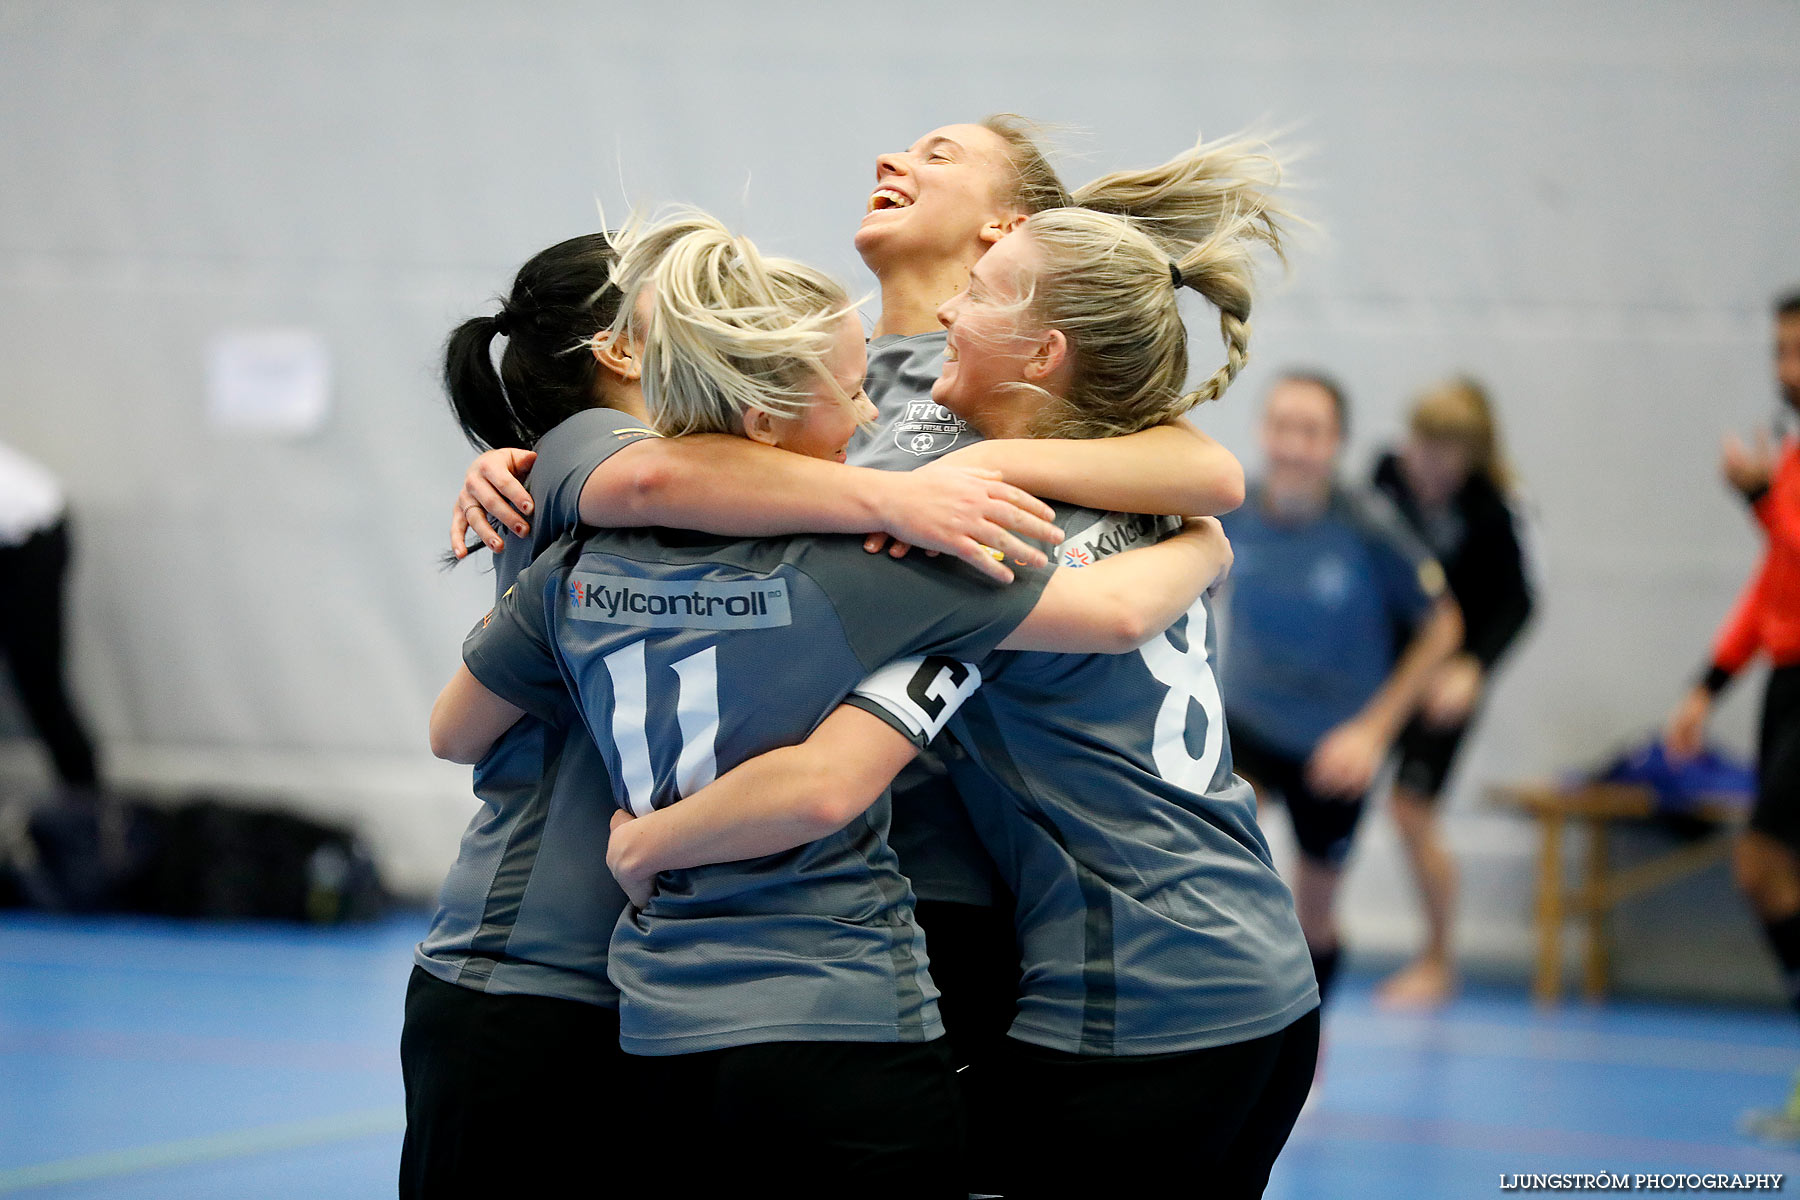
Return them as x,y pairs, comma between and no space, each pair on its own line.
1429,980
1768,874
1315,886
1315,900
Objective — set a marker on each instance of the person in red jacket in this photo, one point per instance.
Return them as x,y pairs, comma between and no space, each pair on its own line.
1766,619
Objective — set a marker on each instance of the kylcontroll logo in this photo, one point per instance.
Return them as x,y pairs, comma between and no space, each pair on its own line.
1111,534
679,604
926,428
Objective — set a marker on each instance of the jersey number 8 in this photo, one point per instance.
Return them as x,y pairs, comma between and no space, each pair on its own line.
1190,680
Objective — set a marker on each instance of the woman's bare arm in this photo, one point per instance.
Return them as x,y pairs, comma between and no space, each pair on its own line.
468,719
1167,470
773,802
1121,602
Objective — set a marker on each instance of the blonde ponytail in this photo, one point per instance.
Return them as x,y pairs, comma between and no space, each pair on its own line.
1209,209
728,330
1107,281
1219,268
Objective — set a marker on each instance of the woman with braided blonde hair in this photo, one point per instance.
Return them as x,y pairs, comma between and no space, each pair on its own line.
937,209
1102,281
1174,1023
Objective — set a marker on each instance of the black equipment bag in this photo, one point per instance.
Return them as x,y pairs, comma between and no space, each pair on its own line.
203,857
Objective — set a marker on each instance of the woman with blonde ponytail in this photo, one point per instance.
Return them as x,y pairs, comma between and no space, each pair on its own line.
1449,479
937,208
1174,1026
775,999
1104,276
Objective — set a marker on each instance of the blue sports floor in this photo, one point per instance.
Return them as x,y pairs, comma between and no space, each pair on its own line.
150,1059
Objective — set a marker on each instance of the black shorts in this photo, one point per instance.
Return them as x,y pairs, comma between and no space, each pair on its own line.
1426,756
975,963
506,1095
794,1119
1207,1122
1323,825
1777,811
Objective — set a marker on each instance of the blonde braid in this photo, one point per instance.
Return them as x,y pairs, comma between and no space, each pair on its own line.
1106,281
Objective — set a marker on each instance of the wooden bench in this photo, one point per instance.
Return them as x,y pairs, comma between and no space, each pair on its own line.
1595,806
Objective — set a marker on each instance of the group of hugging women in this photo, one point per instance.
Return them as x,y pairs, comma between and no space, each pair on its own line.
858,812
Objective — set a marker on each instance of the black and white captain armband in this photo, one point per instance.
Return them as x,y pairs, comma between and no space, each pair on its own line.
918,696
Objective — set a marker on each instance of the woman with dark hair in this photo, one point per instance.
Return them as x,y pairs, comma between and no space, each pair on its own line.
510,1017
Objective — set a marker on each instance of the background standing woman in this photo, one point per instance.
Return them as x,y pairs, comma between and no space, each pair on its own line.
1450,480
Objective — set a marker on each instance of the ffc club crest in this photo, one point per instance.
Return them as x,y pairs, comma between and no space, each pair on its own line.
927,429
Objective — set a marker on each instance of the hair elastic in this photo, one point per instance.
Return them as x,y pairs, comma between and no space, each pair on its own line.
1174,273
502,323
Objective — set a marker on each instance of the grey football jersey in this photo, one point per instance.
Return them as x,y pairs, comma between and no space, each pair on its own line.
910,428
688,655
1150,915
529,906
931,833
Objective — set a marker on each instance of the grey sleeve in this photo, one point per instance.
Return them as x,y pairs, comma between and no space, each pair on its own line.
570,453
511,653
919,606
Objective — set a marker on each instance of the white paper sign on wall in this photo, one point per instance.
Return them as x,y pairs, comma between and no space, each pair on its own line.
275,382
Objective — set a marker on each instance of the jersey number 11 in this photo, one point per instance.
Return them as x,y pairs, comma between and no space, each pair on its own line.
696,711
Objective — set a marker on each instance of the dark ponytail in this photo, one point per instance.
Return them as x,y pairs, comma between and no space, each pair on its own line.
560,299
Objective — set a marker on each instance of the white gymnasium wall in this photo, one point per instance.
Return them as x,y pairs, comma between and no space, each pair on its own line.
1588,206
